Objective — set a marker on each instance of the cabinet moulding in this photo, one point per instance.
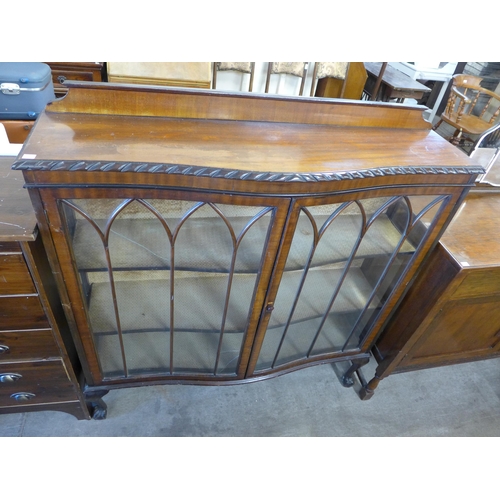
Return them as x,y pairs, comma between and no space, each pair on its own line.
236,174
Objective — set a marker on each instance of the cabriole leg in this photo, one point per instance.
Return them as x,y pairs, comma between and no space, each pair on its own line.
97,407
347,379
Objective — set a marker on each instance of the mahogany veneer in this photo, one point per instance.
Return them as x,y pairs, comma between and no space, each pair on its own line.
214,238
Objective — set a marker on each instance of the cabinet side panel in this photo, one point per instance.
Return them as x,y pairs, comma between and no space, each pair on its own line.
423,297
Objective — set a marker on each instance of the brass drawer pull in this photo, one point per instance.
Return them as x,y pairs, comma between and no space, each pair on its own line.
9,377
3,349
22,396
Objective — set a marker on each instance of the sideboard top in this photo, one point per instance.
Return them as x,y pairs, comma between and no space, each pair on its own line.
225,144
243,132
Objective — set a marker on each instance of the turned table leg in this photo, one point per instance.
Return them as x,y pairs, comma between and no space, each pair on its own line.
368,389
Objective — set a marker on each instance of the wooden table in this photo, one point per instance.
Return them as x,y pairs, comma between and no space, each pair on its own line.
395,84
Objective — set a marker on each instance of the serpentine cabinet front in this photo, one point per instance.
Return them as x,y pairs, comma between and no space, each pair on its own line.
213,288
211,275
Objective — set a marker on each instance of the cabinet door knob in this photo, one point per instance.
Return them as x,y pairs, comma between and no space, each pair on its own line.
9,377
3,348
22,396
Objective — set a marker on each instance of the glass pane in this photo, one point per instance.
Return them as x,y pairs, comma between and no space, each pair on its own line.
343,265
169,284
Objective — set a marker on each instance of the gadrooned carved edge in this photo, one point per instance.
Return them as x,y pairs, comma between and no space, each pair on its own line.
221,173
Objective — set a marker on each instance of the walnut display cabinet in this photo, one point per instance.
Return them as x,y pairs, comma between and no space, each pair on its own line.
214,238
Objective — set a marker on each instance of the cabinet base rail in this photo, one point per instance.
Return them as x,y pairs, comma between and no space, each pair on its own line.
98,409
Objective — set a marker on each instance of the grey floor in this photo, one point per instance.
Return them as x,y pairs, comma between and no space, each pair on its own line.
460,400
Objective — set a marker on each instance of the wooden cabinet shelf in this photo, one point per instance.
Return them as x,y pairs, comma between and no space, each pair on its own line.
212,238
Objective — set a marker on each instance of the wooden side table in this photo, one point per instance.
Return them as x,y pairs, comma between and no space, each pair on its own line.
395,84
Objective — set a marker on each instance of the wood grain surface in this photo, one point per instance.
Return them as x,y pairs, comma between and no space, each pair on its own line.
17,217
255,146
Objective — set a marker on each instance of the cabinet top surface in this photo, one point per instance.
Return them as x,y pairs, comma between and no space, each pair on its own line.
473,238
234,144
17,217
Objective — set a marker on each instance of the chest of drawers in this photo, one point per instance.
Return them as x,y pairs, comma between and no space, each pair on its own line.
39,369
80,71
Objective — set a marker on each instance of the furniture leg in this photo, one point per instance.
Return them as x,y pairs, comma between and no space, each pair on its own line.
97,407
347,379
367,389
437,125
455,140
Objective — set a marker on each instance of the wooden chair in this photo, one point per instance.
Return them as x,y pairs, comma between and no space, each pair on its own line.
241,67
298,69
337,70
486,150
471,109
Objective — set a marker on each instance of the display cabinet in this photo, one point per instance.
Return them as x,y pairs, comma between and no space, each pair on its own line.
213,238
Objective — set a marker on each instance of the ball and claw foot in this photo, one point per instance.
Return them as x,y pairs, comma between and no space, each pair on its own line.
99,410
347,380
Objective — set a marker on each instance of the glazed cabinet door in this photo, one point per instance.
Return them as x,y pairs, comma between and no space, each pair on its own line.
163,284
345,263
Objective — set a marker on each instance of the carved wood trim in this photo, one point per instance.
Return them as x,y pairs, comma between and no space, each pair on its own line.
222,173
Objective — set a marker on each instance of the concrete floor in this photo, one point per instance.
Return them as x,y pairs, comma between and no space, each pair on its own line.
460,400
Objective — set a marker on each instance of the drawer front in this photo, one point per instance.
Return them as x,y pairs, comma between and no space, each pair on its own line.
59,76
34,383
9,246
17,130
478,283
27,345
14,275
24,312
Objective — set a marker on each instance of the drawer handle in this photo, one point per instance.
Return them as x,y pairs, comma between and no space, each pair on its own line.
22,396
9,377
4,348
